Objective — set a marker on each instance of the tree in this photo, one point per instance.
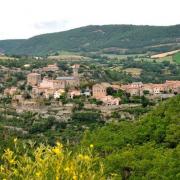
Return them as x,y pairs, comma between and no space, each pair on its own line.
145,92
144,101
29,87
110,91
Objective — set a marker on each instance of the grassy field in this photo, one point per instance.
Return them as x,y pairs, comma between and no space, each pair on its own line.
133,71
167,58
68,57
176,58
6,58
162,55
113,56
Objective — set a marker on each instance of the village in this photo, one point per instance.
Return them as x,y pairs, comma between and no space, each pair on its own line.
54,97
49,88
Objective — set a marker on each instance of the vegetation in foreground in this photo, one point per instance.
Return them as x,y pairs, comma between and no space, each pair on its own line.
144,149
47,162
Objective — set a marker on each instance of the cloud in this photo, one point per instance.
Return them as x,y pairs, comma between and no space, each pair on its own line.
26,18
53,25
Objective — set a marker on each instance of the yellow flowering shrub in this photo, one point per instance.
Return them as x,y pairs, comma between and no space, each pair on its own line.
46,162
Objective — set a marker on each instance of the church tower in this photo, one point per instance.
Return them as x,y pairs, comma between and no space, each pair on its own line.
75,70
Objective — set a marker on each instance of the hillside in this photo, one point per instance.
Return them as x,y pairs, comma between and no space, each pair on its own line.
8,45
162,55
118,38
176,58
144,149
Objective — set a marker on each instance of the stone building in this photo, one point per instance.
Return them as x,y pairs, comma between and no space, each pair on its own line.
99,92
74,93
110,101
137,89
33,79
11,91
53,84
48,87
134,89
173,86
70,81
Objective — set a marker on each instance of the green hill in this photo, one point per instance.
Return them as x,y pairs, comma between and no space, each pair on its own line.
8,45
176,58
144,149
147,148
130,38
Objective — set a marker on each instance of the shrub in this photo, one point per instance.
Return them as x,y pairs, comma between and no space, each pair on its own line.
46,162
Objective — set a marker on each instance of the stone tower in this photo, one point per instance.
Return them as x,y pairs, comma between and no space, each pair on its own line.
75,70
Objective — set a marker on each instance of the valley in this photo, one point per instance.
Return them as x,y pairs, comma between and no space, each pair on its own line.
96,100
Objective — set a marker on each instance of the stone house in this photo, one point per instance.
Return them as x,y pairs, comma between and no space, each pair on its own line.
173,86
74,93
33,79
110,101
133,89
11,91
99,92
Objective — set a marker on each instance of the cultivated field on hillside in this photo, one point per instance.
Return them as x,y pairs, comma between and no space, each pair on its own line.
68,57
164,54
176,58
135,72
6,58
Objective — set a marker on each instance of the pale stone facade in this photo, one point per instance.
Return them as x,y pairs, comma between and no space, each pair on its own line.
71,81
110,101
137,89
33,79
54,84
133,90
48,87
100,92
74,93
11,91
68,82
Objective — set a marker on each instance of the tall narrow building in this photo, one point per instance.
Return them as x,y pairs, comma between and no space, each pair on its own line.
75,70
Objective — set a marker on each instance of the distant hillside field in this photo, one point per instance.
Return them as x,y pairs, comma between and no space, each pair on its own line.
68,57
106,38
176,58
161,55
5,57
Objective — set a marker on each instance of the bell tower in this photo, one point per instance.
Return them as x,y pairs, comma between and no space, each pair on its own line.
75,70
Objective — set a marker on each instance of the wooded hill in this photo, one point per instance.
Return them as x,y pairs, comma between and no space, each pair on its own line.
109,38
147,148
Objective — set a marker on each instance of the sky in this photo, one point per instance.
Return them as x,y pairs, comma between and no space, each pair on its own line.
26,18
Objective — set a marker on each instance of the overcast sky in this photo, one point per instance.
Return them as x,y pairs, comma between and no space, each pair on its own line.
26,18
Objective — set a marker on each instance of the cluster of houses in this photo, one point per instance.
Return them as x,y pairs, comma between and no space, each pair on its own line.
139,89
99,91
54,87
48,87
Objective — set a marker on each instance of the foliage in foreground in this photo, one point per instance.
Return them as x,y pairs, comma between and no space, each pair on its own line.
47,162
146,149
